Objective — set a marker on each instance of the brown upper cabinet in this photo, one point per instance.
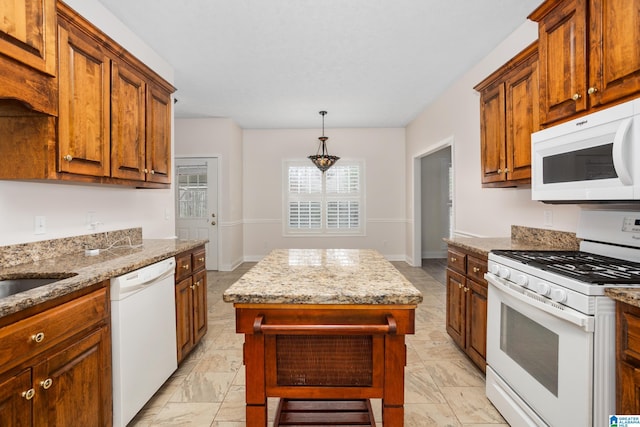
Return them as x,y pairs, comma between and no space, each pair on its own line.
28,54
508,115
113,122
589,55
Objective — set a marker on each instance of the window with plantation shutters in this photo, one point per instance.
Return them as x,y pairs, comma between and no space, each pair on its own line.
329,203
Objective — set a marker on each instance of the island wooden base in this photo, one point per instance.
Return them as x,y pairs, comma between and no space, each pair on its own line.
322,352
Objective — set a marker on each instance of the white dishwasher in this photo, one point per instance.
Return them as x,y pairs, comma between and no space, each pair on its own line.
143,332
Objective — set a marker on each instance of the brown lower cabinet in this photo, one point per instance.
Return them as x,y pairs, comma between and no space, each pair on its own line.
627,359
467,303
56,365
191,300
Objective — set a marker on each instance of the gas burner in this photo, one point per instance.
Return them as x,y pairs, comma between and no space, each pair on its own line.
583,266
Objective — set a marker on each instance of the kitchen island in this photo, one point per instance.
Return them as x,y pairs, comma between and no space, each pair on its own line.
323,325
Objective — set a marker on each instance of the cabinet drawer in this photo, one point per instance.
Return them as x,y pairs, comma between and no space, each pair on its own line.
457,260
198,259
183,266
476,268
629,317
22,340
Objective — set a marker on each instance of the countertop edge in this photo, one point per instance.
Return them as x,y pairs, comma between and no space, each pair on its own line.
87,271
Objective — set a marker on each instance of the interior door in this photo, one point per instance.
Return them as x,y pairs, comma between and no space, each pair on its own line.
197,203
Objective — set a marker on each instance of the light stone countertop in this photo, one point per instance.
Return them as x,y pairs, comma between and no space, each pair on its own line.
85,270
323,276
629,296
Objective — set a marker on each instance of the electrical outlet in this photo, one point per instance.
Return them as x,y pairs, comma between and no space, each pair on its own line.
548,218
40,225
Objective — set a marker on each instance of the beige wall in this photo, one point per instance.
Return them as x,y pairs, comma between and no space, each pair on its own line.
221,138
383,153
456,114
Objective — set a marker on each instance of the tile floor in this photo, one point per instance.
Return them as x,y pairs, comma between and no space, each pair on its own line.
442,387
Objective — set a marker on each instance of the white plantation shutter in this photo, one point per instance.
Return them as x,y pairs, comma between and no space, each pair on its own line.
330,203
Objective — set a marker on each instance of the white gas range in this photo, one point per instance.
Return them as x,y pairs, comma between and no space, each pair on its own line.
551,329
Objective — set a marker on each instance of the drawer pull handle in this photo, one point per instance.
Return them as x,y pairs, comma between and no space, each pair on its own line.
454,259
39,337
29,394
260,328
476,269
46,383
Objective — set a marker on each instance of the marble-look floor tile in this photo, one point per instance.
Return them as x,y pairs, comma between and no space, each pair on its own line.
429,415
419,387
454,373
203,387
471,405
186,414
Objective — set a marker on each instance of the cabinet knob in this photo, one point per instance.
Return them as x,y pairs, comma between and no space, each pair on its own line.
576,96
68,157
499,171
201,259
152,172
459,285
476,269
146,171
466,289
592,90
454,259
197,283
39,337
29,394
46,383
193,287
185,266
506,170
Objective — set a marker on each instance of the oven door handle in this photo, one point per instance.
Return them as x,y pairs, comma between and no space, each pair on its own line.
583,321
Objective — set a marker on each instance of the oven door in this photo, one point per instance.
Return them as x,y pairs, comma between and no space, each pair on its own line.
544,354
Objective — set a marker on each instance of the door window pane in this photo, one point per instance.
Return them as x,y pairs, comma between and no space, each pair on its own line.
192,191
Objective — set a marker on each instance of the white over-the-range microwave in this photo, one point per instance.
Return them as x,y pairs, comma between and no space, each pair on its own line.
594,158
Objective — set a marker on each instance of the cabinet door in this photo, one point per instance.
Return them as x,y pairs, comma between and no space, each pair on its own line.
456,309
27,33
83,131
158,147
614,60
476,322
184,317
522,118
199,305
563,62
128,91
627,389
492,137
73,386
15,409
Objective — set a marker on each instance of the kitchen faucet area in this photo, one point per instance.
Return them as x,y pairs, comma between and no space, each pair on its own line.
222,213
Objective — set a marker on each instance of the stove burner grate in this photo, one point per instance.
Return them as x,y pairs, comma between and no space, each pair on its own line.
583,266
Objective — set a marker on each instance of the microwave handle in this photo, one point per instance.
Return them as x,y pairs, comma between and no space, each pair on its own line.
619,152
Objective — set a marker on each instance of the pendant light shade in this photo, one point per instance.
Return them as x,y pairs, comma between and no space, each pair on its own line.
322,159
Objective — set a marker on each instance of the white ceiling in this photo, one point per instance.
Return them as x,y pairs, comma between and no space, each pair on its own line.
277,63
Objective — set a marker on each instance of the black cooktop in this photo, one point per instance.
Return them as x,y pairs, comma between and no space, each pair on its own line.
582,266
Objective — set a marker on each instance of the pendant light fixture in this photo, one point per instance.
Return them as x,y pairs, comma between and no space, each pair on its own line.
323,161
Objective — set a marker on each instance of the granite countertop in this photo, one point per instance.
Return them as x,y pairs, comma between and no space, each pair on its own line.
522,238
629,296
86,270
323,276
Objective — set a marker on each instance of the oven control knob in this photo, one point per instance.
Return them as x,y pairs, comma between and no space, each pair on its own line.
522,280
493,269
543,288
558,295
504,272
